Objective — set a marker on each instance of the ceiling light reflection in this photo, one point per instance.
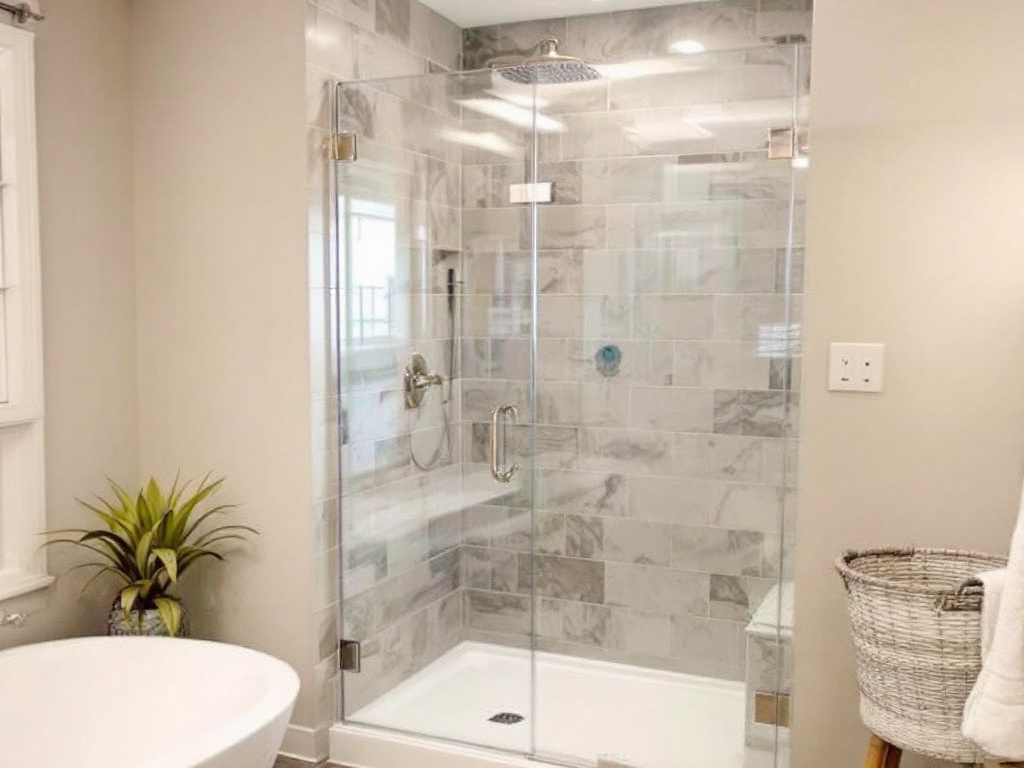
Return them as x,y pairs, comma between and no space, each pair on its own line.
630,70
490,142
687,46
516,115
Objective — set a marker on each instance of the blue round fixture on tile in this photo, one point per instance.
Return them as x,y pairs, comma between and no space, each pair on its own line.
608,358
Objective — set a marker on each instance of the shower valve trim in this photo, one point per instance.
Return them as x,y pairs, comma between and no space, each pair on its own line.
417,379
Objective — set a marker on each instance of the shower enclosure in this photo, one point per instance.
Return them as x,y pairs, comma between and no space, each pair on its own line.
568,355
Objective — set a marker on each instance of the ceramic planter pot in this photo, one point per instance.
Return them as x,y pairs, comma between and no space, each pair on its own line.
146,623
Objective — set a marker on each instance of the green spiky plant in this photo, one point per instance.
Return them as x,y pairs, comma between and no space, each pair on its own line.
150,541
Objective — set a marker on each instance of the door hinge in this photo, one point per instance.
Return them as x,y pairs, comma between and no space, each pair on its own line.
781,144
343,147
350,656
771,708
787,143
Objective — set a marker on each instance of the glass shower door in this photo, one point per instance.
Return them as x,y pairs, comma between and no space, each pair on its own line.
568,322
435,321
667,320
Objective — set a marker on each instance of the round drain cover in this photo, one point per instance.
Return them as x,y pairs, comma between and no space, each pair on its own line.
506,718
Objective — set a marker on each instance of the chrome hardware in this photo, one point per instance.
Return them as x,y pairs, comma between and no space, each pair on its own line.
498,446
787,143
771,708
350,656
781,144
22,12
16,619
417,379
343,147
538,192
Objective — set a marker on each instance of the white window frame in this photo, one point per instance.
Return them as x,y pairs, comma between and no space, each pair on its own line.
22,475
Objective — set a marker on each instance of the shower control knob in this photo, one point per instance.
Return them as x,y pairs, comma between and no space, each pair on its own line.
417,379
424,380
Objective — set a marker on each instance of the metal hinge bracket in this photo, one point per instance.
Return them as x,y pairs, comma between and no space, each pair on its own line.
350,658
771,708
537,192
787,143
343,147
781,144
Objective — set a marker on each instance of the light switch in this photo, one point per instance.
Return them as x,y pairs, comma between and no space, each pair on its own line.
856,367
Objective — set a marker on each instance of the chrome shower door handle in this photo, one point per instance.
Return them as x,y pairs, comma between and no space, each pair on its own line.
498,419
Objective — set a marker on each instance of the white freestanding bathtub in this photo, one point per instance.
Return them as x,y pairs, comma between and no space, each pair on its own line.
142,702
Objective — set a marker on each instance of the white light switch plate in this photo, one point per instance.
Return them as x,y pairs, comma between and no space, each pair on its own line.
856,367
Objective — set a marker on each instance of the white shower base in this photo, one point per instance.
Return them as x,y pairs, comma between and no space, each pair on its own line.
586,712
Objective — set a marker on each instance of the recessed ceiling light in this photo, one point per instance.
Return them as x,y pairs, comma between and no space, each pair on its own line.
687,46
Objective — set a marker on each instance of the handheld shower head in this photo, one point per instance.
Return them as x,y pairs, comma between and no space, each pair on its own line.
451,292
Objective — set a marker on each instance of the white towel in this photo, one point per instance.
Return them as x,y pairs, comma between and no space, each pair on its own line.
993,582
994,712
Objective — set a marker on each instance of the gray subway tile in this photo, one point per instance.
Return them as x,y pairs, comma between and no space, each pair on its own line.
497,612
476,568
587,493
659,590
626,451
417,587
750,412
504,570
584,536
744,506
563,577
717,550
671,409
671,500
590,625
729,598
637,541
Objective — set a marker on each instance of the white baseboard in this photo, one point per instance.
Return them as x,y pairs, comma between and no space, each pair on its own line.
302,743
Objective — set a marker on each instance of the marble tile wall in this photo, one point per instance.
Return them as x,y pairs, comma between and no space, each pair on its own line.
642,34
660,489
407,571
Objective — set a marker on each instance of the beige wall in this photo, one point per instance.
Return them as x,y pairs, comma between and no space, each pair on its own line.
83,109
221,348
222,297
916,239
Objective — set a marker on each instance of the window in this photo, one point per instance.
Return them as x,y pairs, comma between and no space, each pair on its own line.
22,507
372,240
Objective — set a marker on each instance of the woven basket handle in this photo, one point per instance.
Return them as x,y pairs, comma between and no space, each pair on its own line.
967,597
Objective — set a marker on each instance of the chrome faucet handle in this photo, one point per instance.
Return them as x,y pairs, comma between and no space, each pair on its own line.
417,379
17,619
424,380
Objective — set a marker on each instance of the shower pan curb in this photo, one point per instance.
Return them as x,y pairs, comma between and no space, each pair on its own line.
363,746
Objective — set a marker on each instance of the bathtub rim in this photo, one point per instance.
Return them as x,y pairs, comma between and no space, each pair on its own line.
275,704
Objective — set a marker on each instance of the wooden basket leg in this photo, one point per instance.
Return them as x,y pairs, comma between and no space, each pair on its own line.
892,757
876,755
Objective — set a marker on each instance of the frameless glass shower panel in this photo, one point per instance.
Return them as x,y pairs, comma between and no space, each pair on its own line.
666,329
435,320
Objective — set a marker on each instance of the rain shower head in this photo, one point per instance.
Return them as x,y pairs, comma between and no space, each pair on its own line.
544,65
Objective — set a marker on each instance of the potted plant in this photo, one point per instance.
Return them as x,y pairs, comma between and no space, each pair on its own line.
148,542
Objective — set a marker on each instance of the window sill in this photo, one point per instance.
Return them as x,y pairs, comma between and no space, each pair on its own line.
15,582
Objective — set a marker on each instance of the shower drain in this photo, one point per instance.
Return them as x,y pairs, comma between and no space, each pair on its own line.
506,718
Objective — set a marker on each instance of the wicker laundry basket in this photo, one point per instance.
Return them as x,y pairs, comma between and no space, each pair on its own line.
916,620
